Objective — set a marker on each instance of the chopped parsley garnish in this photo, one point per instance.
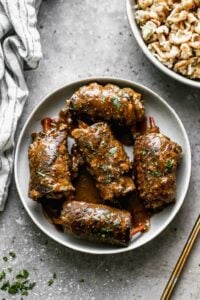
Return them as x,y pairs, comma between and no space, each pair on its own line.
108,178
50,282
2,275
116,223
115,101
106,230
31,285
106,215
20,285
169,165
23,274
113,150
82,280
156,173
54,276
5,285
103,98
40,173
87,145
144,152
104,167
12,254
73,104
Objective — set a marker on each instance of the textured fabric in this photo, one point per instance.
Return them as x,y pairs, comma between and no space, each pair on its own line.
19,45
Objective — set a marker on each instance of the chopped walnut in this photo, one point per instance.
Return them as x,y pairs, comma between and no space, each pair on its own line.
171,29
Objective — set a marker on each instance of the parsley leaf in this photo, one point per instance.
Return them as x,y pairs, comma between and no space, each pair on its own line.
156,173
73,105
115,101
113,150
22,274
169,165
50,282
40,173
2,275
12,254
5,285
103,98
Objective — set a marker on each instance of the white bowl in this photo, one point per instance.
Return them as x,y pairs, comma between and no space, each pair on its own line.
130,6
165,117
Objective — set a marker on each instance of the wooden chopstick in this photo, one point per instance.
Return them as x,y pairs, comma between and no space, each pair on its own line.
181,261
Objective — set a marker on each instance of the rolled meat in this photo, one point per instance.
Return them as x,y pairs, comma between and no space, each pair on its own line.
105,160
109,103
49,162
96,222
156,158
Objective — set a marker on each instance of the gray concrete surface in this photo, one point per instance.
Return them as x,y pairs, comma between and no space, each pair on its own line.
86,38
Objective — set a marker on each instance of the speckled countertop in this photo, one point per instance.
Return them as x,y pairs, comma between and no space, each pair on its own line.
84,38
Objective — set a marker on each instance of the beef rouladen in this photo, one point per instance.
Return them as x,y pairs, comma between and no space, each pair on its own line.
156,158
49,162
105,160
107,103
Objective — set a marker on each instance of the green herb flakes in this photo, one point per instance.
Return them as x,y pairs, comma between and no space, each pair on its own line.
169,165
54,276
12,254
50,282
104,167
23,274
73,105
144,152
40,173
21,285
2,275
115,101
156,173
87,145
116,223
103,98
108,178
112,151
31,285
82,280
5,258
5,285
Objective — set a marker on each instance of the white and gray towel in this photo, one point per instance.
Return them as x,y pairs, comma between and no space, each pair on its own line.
19,45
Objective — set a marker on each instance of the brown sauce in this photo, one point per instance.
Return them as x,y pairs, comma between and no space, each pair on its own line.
85,188
140,215
87,192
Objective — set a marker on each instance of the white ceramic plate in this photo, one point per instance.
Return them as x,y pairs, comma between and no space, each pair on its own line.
130,6
167,120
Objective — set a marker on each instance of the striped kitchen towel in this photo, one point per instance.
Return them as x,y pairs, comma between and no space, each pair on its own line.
19,46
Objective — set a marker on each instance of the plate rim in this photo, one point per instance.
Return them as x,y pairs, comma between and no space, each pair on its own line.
137,34
82,82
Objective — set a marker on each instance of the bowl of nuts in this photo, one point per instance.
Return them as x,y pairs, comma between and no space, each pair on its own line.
168,32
